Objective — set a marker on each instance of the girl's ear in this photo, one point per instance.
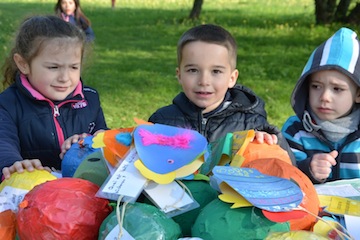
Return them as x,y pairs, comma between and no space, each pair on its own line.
178,74
22,64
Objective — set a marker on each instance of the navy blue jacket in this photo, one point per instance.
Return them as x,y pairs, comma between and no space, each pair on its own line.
89,32
33,127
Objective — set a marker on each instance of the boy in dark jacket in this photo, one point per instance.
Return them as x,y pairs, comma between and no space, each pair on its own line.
211,102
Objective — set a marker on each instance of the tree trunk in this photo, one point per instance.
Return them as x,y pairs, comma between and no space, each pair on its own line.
354,16
324,11
196,10
341,11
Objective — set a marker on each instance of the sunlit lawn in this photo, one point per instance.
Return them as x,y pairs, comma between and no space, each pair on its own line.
133,61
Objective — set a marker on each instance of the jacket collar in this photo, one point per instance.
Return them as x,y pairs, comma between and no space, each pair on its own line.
38,96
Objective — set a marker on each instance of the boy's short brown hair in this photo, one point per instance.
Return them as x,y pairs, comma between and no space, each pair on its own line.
211,34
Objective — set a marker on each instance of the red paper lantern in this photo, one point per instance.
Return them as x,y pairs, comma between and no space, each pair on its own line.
64,208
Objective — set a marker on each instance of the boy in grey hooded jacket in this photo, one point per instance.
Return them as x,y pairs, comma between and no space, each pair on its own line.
324,135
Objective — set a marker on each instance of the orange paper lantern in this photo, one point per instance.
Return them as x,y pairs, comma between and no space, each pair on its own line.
7,225
310,202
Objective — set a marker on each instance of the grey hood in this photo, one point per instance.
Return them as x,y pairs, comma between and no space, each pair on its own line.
340,52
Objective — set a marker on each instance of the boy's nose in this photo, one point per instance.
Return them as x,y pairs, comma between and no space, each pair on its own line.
203,79
325,95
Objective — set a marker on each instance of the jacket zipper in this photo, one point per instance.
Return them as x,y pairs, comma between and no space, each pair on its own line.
59,131
203,126
56,111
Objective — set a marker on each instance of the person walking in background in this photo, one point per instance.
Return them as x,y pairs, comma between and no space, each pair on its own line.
70,11
324,135
113,3
44,101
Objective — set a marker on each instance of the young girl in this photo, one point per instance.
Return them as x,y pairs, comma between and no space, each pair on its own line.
70,11
45,102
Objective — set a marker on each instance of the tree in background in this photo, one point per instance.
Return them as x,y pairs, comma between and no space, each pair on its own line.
328,11
196,10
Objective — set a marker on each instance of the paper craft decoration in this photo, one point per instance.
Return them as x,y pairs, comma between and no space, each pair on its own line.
217,221
219,154
238,149
263,191
13,190
279,168
27,180
167,152
241,140
65,208
249,150
115,143
323,228
255,151
141,221
75,155
340,205
300,235
230,195
93,168
285,216
7,224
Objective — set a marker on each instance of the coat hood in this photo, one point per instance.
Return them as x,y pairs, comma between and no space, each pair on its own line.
340,52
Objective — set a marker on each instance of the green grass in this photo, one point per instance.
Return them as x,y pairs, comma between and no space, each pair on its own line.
133,61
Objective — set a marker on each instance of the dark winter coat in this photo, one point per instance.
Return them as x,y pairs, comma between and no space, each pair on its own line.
246,111
33,127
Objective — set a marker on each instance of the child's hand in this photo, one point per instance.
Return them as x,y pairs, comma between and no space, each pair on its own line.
321,164
20,166
268,138
71,140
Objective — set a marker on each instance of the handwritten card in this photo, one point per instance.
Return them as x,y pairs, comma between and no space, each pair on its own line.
345,190
340,205
5,204
11,197
171,198
126,181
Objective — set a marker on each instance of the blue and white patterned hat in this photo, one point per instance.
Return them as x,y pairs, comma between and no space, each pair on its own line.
340,52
